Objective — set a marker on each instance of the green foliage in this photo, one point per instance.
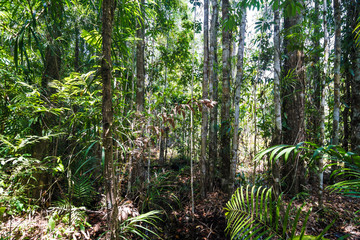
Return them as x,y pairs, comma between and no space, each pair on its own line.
254,213
348,174
61,212
160,193
19,174
143,226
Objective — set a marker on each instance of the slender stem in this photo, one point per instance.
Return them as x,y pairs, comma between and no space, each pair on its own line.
191,125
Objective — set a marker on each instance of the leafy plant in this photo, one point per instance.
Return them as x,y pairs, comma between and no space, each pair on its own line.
310,152
141,226
253,213
61,212
160,193
350,186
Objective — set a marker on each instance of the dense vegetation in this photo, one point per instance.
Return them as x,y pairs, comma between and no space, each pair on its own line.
150,119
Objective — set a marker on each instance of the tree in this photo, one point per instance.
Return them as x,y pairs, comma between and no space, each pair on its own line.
204,123
237,95
293,107
314,83
108,8
322,103
213,93
225,154
277,100
337,58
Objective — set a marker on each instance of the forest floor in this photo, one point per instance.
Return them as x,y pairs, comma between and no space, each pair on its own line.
208,222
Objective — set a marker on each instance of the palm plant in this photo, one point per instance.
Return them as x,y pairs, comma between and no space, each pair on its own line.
350,174
143,225
253,213
311,152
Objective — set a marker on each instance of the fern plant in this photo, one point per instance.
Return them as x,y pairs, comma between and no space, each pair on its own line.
252,213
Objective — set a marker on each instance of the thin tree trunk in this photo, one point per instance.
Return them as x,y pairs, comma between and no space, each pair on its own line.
191,128
213,92
140,61
255,123
239,76
277,100
205,83
337,57
347,52
108,7
225,101
163,147
322,104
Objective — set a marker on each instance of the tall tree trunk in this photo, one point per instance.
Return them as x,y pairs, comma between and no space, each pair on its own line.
314,85
355,89
140,61
225,101
205,83
322,104
337,58
293,101
347,53
239,76
277,101
323,80
213,92
108,7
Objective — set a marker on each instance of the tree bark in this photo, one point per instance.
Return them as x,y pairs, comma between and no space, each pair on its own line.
321,140
337,58
225,101
347,53
277,100
205,83
237,95
108,7
314,84
213,92
293,84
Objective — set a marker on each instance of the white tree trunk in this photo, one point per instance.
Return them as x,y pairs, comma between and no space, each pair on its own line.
277,100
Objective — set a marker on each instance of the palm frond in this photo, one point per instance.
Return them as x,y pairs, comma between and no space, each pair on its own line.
62,208
253,213
83,189
143,225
